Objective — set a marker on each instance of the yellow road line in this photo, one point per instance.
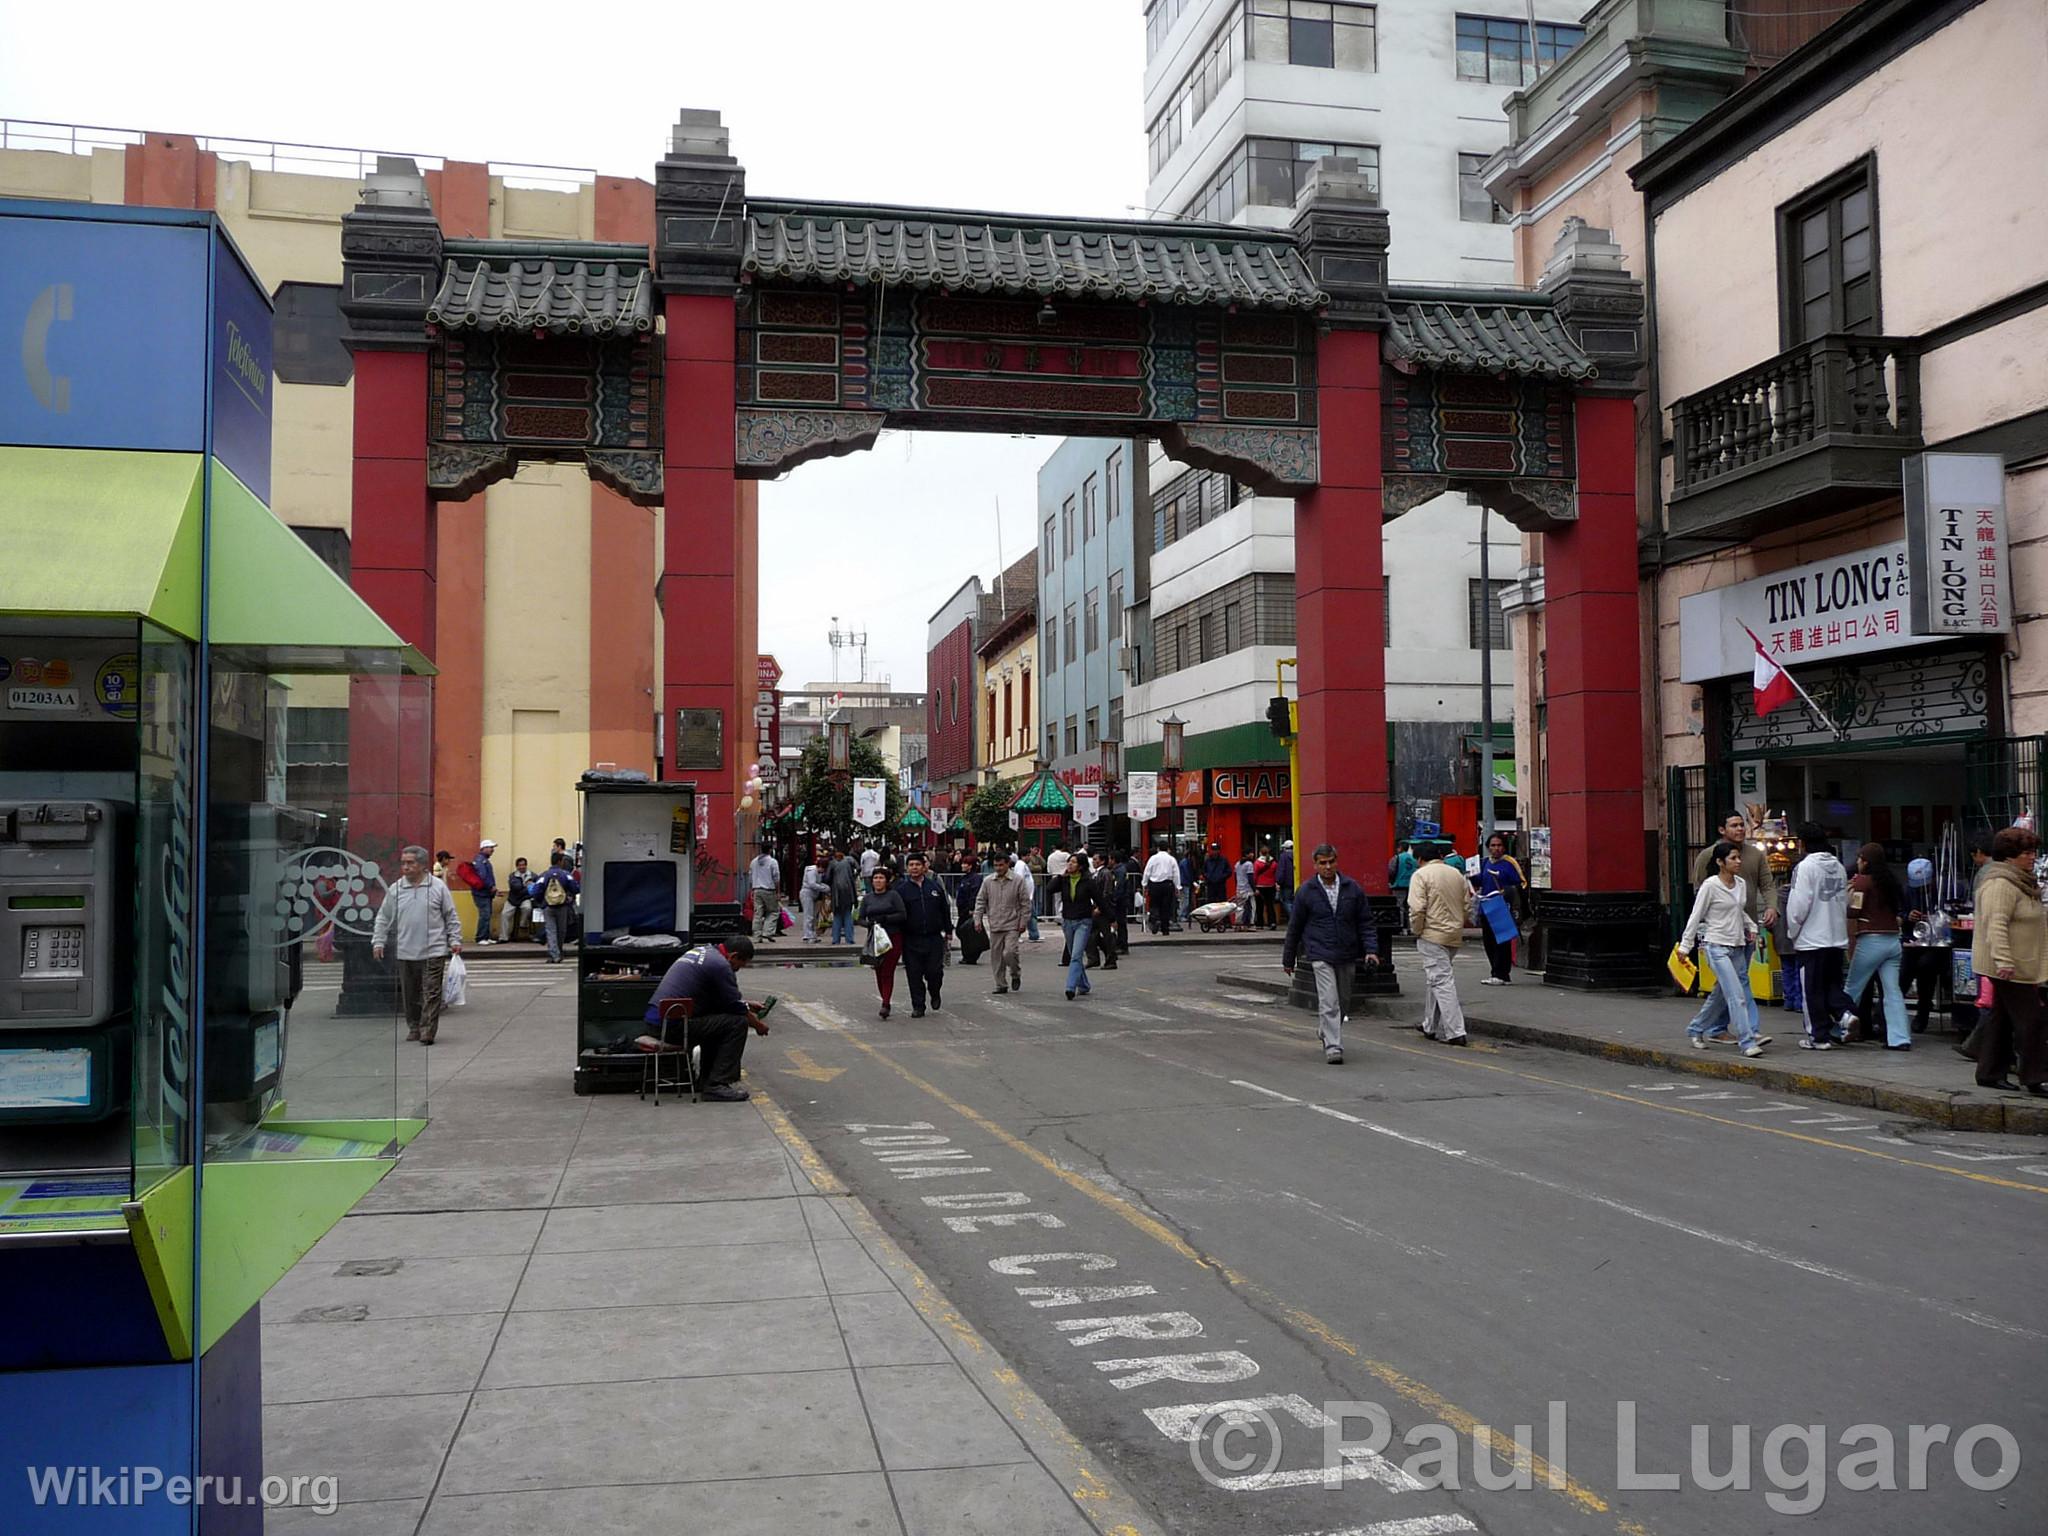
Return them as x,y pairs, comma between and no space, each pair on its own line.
1506,1447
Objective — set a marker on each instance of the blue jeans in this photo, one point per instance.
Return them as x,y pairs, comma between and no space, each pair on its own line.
1730,999
1877,954
483,914
1077,953
1031,925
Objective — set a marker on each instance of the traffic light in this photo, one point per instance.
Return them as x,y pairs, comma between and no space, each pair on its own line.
1278,717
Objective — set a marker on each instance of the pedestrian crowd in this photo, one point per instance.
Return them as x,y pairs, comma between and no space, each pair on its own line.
1857,940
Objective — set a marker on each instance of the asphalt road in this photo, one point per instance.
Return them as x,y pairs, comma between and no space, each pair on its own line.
1158,1202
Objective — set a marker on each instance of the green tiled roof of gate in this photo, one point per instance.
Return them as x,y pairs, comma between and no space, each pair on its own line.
1475,333
564,289
1170,263
1044,793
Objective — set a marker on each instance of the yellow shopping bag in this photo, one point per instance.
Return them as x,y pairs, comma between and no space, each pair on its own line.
1766,982
1682,969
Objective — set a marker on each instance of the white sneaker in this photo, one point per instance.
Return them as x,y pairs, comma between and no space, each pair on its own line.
1753,1050
1816,1045
1493,981
1699,1042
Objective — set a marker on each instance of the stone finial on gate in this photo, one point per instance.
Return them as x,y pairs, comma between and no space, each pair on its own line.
700,203
1599,305
1343,235
390,257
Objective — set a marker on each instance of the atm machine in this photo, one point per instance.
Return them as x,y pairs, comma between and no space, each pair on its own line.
67,893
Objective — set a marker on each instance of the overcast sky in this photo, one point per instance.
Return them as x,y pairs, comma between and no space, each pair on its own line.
1028,107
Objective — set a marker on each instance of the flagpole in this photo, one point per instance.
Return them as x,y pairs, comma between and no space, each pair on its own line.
1840,732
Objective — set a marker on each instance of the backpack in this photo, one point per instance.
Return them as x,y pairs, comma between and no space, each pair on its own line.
558,893
466,873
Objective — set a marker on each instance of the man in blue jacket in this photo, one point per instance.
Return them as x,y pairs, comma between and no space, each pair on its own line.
1332,925
554,897
927,933
707,975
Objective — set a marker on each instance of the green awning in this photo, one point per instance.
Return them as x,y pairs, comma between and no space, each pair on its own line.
101,533
1043,793
957,824
914,818
109,533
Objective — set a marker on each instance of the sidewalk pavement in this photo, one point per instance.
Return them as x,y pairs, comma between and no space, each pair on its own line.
1929,1082
563,1313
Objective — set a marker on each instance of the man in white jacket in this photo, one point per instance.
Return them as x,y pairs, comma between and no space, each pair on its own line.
1817,922
417,918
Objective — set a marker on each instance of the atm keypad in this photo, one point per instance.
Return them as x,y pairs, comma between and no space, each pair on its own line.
52,950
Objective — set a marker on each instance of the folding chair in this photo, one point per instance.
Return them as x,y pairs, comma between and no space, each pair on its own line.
678,1011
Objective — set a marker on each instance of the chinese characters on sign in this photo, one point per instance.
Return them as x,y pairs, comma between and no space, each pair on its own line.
1848,605
1956,543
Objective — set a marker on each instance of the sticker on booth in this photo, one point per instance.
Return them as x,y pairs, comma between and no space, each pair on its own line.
114,685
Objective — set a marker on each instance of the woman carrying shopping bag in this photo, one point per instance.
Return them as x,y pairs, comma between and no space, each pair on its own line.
1722,924
1500,885
884,913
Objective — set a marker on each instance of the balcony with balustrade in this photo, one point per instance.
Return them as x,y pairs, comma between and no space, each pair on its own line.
1814,430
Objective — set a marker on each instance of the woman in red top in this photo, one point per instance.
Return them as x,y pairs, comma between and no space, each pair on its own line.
1266,889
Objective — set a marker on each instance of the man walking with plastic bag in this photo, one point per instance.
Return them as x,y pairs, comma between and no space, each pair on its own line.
419,921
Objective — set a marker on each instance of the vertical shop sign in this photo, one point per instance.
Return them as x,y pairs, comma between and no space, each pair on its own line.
1143,789
1956,547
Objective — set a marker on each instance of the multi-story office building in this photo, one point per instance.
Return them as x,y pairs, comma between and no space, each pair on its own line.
1007,655
1242,97
1091,571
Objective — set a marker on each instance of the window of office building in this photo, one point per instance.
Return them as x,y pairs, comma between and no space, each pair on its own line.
1189,500
1253,610
1116,607
1073,735
1495,49
306,343
1827,265
1046,555
1073,650
1052,742
1270,173
1093,739
1052,644
1160,16
1201,85
1475,203
1113,486
1092,622
1088,509
1486,617
1067,526
990,734
1317,33
1116,719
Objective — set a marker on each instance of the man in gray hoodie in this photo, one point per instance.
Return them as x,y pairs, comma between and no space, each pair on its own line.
418,918
1817,922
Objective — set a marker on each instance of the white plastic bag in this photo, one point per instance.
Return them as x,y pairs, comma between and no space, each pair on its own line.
455,983
881,944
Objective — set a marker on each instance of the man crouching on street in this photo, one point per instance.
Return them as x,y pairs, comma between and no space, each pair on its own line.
1332,924
719,1023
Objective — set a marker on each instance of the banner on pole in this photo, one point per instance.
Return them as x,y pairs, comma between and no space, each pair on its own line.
1087,804
1143,788
870,801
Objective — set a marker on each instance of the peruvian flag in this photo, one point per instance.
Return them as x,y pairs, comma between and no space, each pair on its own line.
1773,684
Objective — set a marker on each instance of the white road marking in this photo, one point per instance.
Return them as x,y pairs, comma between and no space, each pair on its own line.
1981,1157
823,1016
1720,1239
1136,1015
1271,1093
1714,1094
1417,1525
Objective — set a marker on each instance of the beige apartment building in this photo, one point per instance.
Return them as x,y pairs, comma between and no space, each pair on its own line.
1844,430
547,637
1006,668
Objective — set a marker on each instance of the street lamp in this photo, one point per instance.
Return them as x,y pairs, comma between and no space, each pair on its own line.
1112,775
840,733
1171,743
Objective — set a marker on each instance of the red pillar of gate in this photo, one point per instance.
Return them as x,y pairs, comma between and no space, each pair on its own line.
701,602
392,540
1593,668
1340,600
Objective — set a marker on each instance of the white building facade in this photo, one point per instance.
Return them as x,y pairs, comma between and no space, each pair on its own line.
1241,98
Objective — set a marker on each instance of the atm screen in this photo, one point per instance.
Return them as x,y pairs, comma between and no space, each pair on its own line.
46,903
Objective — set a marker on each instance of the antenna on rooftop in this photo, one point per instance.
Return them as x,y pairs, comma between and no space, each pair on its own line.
842,639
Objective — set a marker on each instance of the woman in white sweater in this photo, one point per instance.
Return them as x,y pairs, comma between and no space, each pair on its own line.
1720,920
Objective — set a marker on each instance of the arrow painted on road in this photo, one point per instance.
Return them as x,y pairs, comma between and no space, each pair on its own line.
809,1070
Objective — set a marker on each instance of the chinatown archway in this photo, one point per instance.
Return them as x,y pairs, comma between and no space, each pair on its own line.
758,334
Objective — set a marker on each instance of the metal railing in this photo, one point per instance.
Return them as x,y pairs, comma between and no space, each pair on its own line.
277,154
1835,387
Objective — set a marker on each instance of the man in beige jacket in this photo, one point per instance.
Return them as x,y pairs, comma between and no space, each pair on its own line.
1439,905
1002,907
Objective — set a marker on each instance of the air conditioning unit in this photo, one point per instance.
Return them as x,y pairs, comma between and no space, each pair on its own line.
1127,658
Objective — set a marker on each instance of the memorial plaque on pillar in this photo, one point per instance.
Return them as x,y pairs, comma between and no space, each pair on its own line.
700,738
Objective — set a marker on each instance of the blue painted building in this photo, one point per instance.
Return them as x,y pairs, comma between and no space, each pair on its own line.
1092,572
